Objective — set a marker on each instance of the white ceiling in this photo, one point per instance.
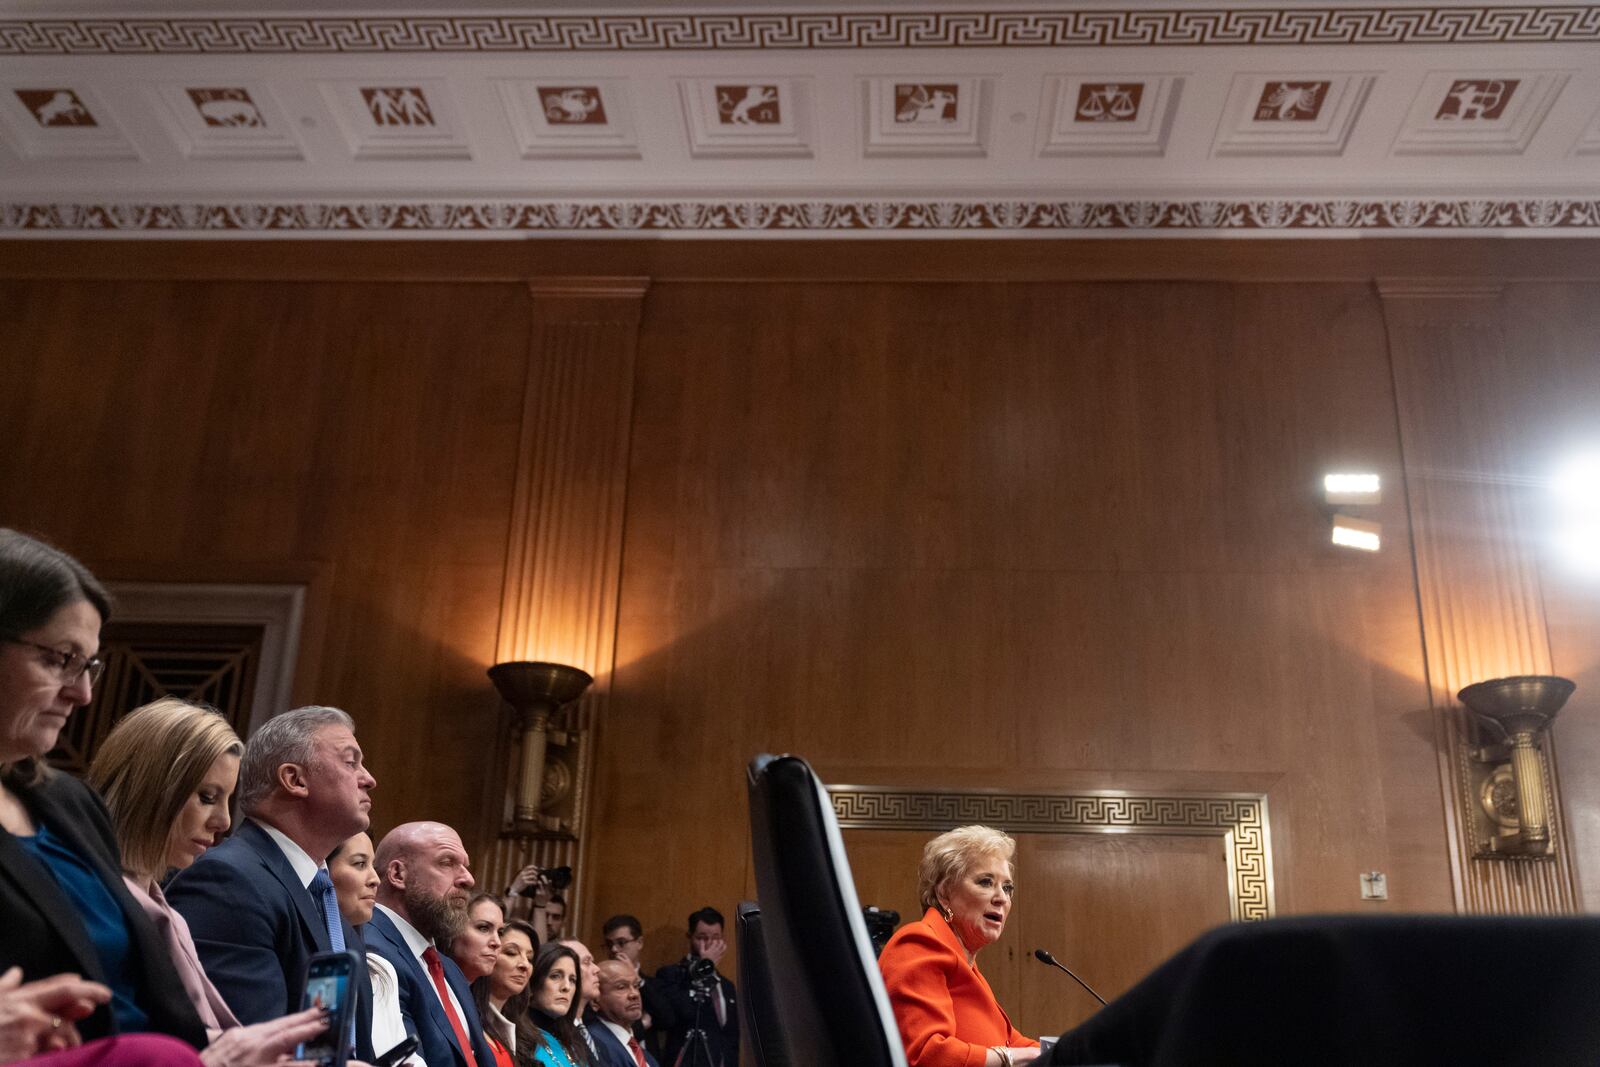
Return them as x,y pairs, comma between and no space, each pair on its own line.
890,118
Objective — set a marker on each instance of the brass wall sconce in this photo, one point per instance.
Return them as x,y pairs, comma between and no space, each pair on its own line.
536,692
1512,816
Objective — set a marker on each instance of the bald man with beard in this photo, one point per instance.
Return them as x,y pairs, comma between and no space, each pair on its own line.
423,887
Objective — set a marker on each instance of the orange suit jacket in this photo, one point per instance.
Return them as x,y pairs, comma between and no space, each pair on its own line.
946,1012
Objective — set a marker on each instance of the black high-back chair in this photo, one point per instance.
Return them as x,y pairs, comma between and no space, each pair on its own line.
826,988
758,1006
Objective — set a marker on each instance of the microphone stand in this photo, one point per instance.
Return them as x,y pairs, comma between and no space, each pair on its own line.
1044,957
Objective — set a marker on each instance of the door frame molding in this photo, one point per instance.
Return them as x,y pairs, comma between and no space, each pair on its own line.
1239,820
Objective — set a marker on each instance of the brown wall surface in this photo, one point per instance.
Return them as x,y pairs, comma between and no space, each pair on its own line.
1037,535
361,436
988,535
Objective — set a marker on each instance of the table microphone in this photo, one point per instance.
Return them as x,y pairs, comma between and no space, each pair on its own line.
1044,957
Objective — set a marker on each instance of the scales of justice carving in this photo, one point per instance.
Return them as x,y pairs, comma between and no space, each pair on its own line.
1108,102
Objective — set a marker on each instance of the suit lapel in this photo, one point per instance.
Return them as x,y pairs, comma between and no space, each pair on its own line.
277,864
441,1022
607,1044
469,1013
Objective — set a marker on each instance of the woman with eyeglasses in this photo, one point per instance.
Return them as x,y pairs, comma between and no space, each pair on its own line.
64,908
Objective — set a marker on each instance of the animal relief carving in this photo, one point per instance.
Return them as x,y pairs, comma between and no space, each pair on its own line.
56,107
748,105
1291,101
925,104
572,105
230,108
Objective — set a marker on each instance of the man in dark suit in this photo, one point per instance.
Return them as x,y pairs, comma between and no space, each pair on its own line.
717,1014
422,903
261,903
588,992
618,1009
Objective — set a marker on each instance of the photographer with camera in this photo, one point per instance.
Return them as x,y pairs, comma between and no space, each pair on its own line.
535,895
697,1009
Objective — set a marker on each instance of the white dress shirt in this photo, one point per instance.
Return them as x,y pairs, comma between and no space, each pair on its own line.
505,1031
418,945
621,1033
305,868
388,1027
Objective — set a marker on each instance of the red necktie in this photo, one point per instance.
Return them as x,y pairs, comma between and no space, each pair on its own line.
430,956
638,1053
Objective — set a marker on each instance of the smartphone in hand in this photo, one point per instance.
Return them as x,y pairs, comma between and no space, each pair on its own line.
405,1048
330,985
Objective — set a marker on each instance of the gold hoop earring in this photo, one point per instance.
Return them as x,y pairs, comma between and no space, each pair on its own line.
949,916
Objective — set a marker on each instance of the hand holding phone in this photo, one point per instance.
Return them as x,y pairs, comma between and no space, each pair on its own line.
330,986
395,1055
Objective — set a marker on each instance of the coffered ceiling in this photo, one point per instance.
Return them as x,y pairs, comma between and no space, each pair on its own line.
692,119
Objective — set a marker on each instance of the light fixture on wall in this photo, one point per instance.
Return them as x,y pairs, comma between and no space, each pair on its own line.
1353,489
536,691
1351,532
1348,488
1513,810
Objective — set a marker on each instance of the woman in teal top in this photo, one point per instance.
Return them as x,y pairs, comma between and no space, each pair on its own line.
554,1007
63,905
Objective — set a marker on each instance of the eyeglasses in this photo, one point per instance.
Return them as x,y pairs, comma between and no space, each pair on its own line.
620,943
70,666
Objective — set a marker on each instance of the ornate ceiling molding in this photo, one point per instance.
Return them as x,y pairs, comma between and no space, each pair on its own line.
716,31
903,218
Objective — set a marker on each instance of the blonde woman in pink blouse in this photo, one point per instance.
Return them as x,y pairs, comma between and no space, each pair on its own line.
167,771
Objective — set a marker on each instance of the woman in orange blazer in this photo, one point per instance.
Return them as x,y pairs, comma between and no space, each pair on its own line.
946,1012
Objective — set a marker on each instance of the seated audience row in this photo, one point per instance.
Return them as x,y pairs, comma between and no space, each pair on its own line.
67,912
108,950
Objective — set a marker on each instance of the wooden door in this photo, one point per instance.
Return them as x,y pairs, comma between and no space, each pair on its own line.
1110,906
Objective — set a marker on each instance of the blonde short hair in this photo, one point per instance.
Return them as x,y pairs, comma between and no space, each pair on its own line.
955,852
146,768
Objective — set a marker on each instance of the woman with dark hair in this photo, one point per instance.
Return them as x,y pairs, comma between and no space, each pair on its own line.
477,947
554,1006
355,884
64,907
502,997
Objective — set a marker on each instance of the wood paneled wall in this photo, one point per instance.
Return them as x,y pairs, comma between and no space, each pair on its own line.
1029,535
984,535
361,435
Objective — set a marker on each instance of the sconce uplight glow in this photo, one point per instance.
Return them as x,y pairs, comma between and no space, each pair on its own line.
1576,532
1357,533
1577,483
1579,544
1353,489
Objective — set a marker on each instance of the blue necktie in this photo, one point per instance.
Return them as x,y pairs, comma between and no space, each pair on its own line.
321,888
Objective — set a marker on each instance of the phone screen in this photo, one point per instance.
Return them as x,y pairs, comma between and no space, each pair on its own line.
328,986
